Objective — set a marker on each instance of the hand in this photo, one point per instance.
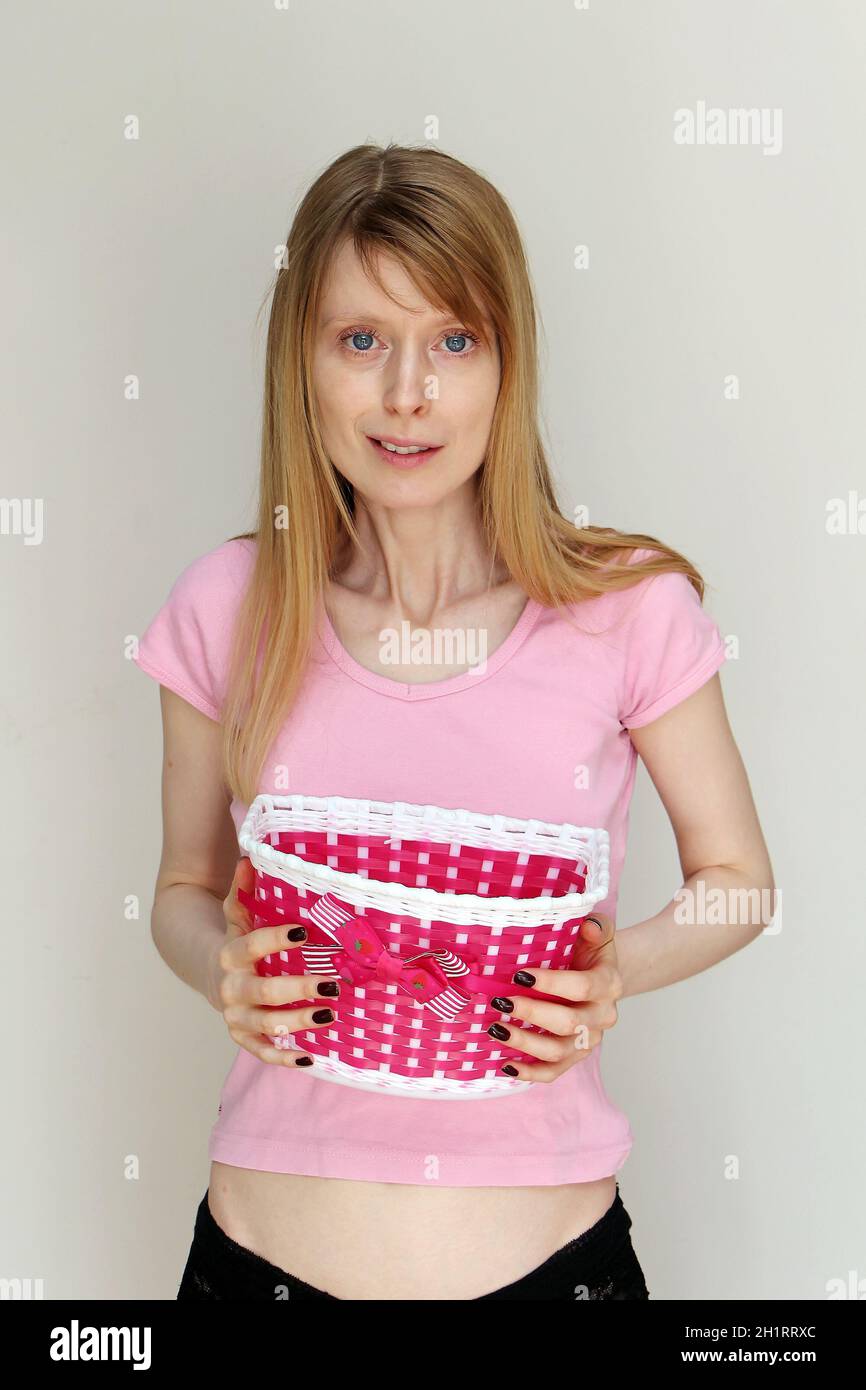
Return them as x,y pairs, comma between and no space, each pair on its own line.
241,991
573,1030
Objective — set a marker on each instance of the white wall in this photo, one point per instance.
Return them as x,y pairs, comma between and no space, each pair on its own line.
151,257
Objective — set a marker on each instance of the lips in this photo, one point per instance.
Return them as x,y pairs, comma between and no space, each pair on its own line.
404,460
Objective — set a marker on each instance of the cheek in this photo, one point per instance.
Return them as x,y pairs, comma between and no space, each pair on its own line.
340,394
471,401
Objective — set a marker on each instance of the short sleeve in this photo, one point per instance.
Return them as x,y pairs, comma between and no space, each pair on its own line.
673,648
186,646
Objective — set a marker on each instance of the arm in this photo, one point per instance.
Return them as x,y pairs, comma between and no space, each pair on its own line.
695,765
199,848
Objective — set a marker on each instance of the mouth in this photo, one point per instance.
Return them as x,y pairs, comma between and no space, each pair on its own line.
403,455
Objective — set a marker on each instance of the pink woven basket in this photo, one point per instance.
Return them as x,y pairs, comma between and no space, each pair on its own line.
425,914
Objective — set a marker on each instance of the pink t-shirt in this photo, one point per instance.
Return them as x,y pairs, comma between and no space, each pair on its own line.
542,733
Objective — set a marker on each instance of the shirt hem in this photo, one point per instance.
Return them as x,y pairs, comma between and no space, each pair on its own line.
370,1163
680,691
192,697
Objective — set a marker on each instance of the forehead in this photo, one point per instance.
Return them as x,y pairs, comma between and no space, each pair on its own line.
348,291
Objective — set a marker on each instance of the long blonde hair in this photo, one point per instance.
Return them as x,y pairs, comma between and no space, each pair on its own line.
457,240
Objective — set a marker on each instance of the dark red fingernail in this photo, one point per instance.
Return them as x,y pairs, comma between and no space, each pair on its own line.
323,1016
303,1061
512,1071
297,933
523,977
329,987
503,1005
496,1030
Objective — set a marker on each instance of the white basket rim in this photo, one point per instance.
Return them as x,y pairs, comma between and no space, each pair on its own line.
588,844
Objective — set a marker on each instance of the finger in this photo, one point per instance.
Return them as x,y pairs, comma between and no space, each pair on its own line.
236,913
540,1045
594,946
248,1020
585,1039
550,1070
539,1071
599,925
243,952
567,1021
599,981
561,1019
598,935
245,987
268,1053
564,984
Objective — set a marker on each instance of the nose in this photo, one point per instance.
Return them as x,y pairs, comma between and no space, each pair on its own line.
410,382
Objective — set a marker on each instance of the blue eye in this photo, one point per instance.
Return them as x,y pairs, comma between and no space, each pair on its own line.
369,344
368,338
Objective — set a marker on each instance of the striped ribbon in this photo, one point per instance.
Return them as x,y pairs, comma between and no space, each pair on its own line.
359,954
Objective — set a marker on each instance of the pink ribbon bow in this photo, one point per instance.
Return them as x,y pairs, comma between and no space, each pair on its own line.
359,955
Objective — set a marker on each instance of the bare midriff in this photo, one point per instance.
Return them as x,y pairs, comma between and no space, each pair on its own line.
360,1240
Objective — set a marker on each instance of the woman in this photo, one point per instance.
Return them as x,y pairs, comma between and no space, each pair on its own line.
403,316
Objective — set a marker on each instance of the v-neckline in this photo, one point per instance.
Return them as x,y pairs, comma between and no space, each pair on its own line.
428,690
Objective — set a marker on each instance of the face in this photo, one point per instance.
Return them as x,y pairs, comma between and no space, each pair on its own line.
381,370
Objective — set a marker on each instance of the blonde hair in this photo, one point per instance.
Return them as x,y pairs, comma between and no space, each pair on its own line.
458,242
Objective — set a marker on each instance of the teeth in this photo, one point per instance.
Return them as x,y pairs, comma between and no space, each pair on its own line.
395,449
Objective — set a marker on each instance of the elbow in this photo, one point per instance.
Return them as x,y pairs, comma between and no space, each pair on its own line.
155,930
769,897
763,906
752,903
157,923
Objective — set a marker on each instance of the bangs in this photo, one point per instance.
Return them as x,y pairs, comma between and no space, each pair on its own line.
434,272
